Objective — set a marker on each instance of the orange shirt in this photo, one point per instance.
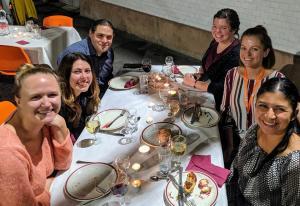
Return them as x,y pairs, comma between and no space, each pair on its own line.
22,176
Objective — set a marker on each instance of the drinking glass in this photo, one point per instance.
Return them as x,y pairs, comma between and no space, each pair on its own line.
169,61
143,81
167,69
174,108
92,125
131,126
146,64
164,156
178,148
37,31
29,25
120,188
122,163
163,94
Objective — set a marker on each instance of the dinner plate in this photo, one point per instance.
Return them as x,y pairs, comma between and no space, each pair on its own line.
107,116
120,82
200,196
209,117
185,69
91,181
149,134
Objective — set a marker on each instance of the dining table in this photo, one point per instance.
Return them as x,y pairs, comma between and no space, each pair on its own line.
45,48
109,147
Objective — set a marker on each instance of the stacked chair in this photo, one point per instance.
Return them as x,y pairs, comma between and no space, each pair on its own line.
57,21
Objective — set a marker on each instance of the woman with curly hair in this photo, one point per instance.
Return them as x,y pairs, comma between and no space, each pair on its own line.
80,91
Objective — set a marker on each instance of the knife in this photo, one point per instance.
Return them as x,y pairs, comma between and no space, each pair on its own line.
180,188
175,183
111,133
193,119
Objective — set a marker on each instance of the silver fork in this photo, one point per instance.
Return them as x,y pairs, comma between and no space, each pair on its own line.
109,124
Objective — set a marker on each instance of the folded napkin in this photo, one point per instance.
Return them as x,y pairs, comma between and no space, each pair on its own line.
130,83
203,163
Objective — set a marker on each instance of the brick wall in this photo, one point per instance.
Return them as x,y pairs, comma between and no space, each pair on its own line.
281,18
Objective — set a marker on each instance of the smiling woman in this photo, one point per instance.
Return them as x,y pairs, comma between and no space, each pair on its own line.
267,166
80,91
34,141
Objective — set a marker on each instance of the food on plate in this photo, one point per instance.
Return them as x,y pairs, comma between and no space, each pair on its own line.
203,183
204,187
163,135
190,182
205,190
130,83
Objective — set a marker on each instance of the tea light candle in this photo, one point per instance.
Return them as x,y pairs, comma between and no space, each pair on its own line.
136,166
151,104
166,85
136,184
158,77
149,120
144,149
172,92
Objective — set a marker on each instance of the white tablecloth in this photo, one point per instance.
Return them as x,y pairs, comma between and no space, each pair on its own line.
109,149
44,50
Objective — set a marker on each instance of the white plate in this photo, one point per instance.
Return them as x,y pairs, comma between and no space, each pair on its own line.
91,181
119,82
150,132
203,199
210,117
109,115
185,69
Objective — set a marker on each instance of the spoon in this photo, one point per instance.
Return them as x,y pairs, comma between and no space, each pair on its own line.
86,143
88,162
158,178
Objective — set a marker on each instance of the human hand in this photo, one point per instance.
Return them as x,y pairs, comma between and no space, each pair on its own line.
189,80
202,86
58,128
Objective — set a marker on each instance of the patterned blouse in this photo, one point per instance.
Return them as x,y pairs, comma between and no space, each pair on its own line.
277,183
233,99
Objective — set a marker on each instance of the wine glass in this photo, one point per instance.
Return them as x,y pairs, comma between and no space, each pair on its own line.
122,163
120,188
174,108
92,125
167,69
169,61
146,64
178,148
130,126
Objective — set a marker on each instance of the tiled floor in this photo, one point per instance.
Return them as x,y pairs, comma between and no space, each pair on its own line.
127,48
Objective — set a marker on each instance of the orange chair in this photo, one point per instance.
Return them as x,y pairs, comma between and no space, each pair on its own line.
6,109
11,58
57,20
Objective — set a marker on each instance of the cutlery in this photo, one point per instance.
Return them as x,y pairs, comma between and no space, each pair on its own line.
111,133
180,188
193,119
157,178
88,162
107,125
175,183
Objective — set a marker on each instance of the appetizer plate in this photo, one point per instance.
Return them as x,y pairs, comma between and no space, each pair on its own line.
107,116
91,181
185,69
123,82
149,134
208,117
203,194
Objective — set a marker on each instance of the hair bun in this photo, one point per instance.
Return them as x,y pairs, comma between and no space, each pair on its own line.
261,28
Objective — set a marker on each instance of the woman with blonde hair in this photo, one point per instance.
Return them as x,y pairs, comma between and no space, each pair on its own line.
35,141
80,91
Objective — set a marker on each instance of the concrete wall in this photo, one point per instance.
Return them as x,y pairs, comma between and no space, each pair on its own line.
161,22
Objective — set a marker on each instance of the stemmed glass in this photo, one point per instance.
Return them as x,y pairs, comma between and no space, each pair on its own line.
178,148
92,125
146,64
174,107
167,69
130,126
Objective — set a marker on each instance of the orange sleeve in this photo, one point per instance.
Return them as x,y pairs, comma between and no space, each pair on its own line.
15,185
62,153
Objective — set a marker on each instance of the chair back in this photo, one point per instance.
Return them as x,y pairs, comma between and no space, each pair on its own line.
6,109
58,20
11,58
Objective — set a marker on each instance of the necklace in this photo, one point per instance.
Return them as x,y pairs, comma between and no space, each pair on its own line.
248,101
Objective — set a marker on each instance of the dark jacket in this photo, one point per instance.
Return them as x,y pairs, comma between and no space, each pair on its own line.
218,69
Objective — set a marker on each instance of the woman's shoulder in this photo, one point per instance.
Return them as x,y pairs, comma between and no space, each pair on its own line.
270,73
293,146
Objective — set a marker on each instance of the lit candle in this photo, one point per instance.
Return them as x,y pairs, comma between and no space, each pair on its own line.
151,104
172,92
144,149
158,77
149,120
166,85
136,166
136,184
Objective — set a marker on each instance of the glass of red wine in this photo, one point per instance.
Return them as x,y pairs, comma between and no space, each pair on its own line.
146,64
120,188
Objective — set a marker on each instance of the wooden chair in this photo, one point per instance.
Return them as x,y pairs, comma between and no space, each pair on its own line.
6,109
11,58
58,20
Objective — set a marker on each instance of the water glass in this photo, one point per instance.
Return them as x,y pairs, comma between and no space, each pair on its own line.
29,25
143,81
146,64
164,156
37,31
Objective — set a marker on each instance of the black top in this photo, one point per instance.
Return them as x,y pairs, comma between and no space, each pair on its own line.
217,70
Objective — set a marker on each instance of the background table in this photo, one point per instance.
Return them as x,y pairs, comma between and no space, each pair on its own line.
109,149
46,49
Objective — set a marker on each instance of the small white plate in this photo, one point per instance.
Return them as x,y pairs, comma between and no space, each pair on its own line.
149,134
209,118
118,83
198,197
109,115
91,181
185,69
